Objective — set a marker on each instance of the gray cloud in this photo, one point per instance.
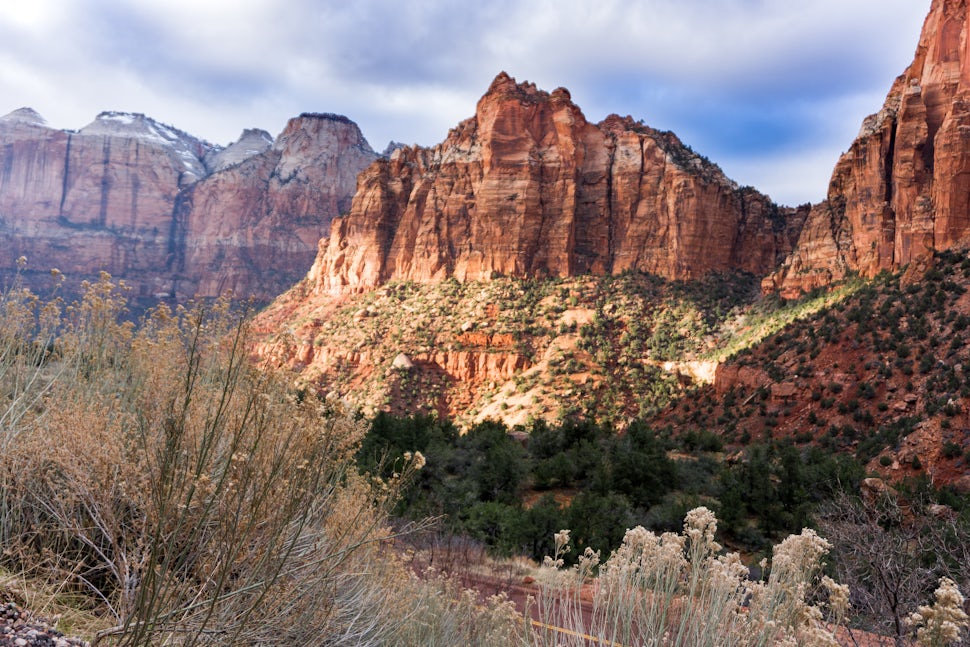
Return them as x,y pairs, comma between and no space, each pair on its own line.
759,86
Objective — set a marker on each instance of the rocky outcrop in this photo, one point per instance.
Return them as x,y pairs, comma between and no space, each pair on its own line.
903,187
172,215
97,199
253,227
733,376
527,187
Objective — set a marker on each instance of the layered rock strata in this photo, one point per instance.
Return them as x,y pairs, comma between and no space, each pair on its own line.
529,188
172,215
253,227
903,187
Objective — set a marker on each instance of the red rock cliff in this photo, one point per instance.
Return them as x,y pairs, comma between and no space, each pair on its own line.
254,227
903,187
528,187
168,213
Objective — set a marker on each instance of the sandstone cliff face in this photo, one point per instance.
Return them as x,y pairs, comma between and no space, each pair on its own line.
96,199
527,187
170,214
253,228
903,188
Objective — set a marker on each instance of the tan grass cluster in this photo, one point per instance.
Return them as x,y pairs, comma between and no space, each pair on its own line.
683,590
183,496
944,622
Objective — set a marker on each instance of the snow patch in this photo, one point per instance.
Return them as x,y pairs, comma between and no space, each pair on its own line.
24,116
124,119
185,148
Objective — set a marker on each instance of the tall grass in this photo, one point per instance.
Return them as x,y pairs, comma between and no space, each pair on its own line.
188,497
680,590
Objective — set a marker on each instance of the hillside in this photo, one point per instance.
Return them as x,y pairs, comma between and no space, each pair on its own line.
882,375
612,348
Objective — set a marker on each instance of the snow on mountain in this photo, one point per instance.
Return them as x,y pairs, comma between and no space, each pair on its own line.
253,141
190,150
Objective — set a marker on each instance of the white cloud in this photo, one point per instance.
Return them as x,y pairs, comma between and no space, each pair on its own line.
721,73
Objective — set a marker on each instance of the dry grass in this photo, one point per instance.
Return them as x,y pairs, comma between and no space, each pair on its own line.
681,590
181,496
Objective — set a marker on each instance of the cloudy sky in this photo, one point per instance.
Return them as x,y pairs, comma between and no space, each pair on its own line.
772,90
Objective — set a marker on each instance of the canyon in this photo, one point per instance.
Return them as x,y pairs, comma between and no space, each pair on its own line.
171,215
901,191
528,189
525,190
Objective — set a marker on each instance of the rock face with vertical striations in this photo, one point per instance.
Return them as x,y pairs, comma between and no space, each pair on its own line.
903,187
529,188
253,227
172,215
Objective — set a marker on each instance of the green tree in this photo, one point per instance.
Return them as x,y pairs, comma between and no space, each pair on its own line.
639,468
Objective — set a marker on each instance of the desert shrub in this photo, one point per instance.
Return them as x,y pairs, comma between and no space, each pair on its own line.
442,612
567,455
703,440
951,450
181,493
944,622
494,524
637,467
681,589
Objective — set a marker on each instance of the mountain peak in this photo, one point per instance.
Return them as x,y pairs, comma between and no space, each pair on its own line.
252,142
187,149
319,132
501,80
325,116
529,188
24,115
391,147
505,85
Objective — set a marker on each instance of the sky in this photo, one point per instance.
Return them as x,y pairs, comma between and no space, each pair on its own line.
771,90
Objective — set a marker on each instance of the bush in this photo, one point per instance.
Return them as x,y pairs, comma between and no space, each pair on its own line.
682,587
184,494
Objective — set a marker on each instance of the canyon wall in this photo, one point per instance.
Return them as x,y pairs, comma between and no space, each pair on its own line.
529,188
903,187
171,215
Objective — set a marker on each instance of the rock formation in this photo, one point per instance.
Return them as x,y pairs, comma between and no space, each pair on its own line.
253,227
172,215
527,187
903,187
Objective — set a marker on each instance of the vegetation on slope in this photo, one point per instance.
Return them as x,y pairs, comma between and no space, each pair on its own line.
170,492
611,348
874,370
883,375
